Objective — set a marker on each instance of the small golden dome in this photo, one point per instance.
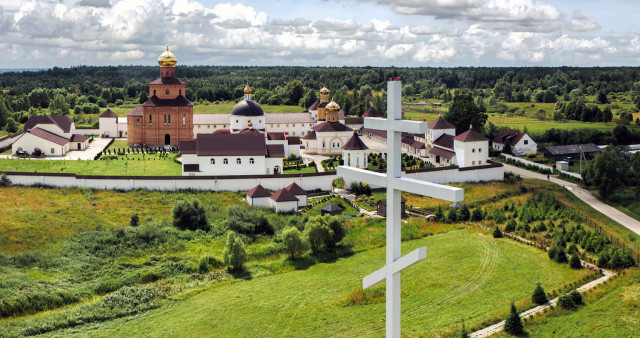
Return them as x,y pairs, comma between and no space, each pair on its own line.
355,130
332,106
247,89
250,124
324,91
167,59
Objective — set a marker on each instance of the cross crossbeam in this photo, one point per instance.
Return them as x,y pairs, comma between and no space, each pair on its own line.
395,184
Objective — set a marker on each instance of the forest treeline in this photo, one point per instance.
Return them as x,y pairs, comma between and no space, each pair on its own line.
86,90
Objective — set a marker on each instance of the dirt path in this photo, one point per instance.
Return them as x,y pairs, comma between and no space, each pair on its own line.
609,211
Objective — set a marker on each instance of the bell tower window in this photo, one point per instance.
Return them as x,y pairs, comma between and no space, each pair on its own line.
167,92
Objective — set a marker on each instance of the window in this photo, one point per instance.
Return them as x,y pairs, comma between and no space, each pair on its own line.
165,120
473,162
169,120
137,122
179,91
526,142
212,161
184,119
209,126
479,162
238,160
150,123
473,150
479,150
294,133
251,161
167,92
154,92
225,161
53,151
323,144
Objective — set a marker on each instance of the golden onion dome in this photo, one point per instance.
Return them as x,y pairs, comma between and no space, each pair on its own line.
167,59
250,124
333,106
324,91
247,89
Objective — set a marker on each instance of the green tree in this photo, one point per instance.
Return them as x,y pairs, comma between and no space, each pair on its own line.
574,262
602,97
317,233
135,220
511,225
235,255
465,215
294,241
294,92
539,296
59,106
439,215
607,171
507,148
143,97
189,215
11,126
496,232
337,230
39,97
464,112
513,323
452,215
477,215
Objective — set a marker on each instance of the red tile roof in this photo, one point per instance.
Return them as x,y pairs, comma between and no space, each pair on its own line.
470,136
275,150
508,135
330,127
283,195
353,120
296,189
441,123
231,145
51,137
78,138
371,113
258,191
310,135
179,101
315,105
166,80
291,140
137,111
275,136
442,152
444,141
355,143
418,145
63,122
188,147
109,113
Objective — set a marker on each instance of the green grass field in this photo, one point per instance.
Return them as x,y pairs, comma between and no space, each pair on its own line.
135,166
611,312
319,301
222,108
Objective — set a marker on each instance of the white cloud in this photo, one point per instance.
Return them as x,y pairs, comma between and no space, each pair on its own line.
580,23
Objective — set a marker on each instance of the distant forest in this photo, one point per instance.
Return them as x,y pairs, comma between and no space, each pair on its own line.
86,90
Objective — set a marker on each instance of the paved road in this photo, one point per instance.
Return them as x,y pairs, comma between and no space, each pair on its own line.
609,211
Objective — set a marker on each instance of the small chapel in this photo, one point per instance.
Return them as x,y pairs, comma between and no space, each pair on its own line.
166,118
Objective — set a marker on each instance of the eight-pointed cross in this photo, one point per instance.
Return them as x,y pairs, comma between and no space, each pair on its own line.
395,184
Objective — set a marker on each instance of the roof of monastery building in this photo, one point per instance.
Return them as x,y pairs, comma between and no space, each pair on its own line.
470,136
155,101
226,144
258,191
355,143
247,108
441,123
296,189
63,122
330,127
283,195
108,114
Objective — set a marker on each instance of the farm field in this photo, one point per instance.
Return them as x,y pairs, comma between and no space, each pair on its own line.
436,294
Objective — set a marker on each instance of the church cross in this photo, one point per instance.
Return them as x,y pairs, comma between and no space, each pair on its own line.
395,184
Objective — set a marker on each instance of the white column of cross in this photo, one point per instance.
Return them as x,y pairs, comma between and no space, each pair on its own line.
395,184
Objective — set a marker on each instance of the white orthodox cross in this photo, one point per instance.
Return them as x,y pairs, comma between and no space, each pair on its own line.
395,184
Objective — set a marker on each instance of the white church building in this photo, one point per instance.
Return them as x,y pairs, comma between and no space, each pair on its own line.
51,135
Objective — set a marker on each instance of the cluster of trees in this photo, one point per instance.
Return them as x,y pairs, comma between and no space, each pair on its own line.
577,110
609,171
317,233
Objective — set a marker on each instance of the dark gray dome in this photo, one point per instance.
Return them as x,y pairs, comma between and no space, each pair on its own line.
247,108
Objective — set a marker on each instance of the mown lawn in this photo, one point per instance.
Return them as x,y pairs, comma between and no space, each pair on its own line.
319,301
611,312
136,165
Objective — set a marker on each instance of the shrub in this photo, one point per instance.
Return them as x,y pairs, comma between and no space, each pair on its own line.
477,215
235,255
135,220
317,232
452,216
4,180
131,297
497,233
566,301
557,254
539,296
249,222
511,226
465,215
513,323
576,297
203,267
189,215
573,249
574,262
294,241
439,215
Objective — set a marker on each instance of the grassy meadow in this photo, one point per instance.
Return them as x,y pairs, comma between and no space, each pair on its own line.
325,299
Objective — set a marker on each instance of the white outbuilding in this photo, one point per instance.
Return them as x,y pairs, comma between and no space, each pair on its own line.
259,197
521,143
354,152
299,193
471,148
284,201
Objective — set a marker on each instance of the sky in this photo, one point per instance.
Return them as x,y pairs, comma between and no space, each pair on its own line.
402,33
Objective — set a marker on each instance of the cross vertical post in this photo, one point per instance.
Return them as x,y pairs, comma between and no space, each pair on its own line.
395,184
